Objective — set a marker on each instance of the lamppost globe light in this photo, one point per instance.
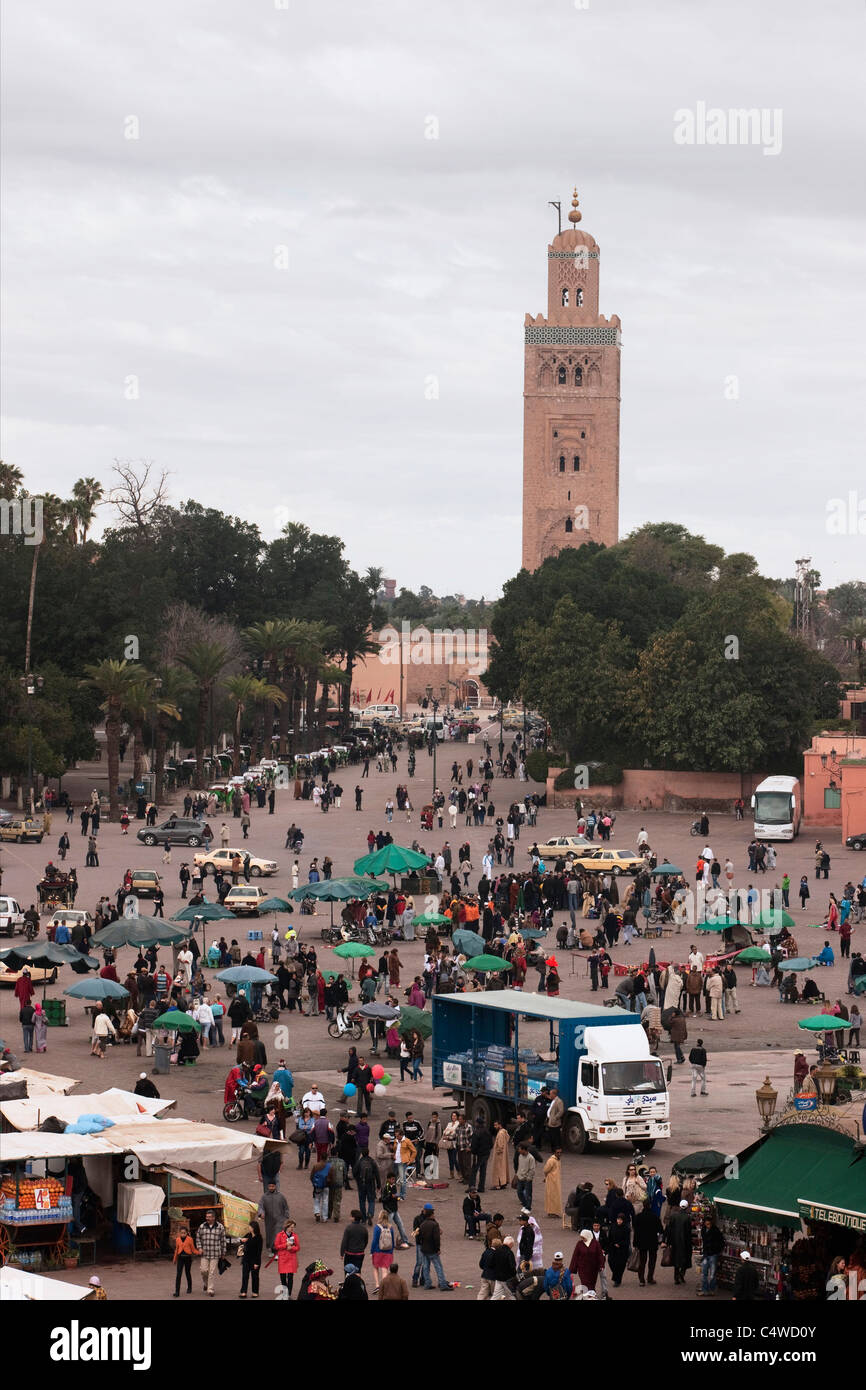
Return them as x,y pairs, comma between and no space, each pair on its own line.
766,1097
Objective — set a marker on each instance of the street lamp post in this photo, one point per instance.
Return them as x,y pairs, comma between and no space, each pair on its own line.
157,689
30,685
501,734
766,1097
435,703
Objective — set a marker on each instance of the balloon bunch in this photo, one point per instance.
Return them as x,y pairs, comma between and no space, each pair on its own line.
377,1087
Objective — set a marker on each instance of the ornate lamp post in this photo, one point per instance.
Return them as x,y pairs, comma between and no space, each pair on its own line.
766,1098
825,1080
435,703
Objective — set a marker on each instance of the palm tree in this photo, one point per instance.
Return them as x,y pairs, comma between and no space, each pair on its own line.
11,479
114,680
176,687
145,700
319,645
244,691
854,634
328,675
206,661
87,494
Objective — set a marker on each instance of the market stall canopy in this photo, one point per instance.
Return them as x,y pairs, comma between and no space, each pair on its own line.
433,919
382,1011
20,1286
664,869
114,1104
40,1083
338,890
754,955
390,859
176,1021
415,1020
353,950
274,905
45,954
153,1141
797,1170
798,963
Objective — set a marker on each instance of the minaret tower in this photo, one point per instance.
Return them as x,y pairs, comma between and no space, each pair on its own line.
571,400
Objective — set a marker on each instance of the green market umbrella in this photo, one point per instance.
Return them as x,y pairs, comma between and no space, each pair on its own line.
176,1021
414,1020
720,926
773,920
487,964
97,989
823,1023
139,931
754,955
661,870
44,954
337,890
468,941
798,963
203,912
275,905
353,950
390,859
434,919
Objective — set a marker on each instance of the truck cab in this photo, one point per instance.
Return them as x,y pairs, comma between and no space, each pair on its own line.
490,1052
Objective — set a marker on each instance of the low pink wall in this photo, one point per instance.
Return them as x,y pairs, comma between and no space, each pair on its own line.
654,789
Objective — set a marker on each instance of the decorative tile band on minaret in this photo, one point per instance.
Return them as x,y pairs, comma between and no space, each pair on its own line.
571,398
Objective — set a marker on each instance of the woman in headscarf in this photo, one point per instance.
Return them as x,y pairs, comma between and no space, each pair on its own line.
619,1245
40,1028
587,1260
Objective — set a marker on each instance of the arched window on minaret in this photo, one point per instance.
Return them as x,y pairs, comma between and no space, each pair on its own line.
576,463
561,376
565,298
593,376
578,297
562,463
569,527
578,376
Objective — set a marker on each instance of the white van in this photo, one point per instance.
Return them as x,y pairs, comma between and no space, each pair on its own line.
381,712
429,721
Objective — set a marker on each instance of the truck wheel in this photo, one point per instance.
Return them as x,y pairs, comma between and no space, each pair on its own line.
150,839
644,1146
485,1111
575,1134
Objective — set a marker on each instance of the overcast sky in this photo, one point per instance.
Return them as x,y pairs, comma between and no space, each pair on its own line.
283,260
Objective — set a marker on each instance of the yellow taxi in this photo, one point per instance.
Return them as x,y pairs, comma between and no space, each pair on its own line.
605,860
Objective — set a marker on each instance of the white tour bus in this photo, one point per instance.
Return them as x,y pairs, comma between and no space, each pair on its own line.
777,807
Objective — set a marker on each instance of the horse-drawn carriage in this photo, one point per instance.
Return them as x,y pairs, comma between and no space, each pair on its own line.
57,890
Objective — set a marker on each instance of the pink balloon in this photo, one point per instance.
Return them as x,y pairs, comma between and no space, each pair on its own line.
370,1086
378,1072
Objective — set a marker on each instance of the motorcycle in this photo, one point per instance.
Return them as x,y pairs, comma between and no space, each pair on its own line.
31,931
345,1023
695,828
244,1106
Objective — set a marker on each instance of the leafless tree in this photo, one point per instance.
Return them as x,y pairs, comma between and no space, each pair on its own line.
184,625
136,496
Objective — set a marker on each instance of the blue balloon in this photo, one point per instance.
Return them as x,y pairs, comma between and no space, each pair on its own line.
349,1089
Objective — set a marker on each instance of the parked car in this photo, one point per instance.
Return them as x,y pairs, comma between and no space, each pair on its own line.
22,831
71,917
38,976
604,860
222,859
11,918
558,846
856,841
244,899
177,830
146,883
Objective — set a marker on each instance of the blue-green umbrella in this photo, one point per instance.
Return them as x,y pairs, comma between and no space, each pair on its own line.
275,905
531,933
246,975
468,941
338,890
662,870
97,989
203,912
798,963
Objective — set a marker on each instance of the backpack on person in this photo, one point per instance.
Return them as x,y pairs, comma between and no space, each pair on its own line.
386,1239
320,1179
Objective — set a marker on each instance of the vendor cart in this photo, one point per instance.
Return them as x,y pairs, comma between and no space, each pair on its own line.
55,892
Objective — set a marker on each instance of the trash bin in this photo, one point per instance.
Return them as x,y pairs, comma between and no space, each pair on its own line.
162,1058
55,1013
